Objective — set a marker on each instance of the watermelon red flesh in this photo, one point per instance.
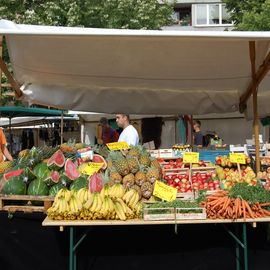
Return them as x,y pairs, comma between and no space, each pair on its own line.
95,183
11,174
71,170
99,159
52,179
56,161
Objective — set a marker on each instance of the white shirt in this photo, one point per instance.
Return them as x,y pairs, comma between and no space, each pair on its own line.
129,135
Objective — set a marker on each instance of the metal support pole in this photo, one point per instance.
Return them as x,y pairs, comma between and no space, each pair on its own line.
191,132
71,246
62,128
245,246
237,250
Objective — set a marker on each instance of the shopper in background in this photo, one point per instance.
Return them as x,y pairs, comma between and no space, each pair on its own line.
105,133
4,153
197,136
129,133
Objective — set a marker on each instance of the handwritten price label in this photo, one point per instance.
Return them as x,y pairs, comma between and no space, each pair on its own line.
117,146
164,191
237,158
190,157
91,168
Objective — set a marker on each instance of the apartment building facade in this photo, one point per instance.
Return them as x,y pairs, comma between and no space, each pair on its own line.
200,15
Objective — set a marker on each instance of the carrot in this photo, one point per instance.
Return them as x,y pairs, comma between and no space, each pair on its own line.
244,210
219,202
267,213
265,204
237,207
227,202
249,209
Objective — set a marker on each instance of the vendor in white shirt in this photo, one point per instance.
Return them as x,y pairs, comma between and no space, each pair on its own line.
129,133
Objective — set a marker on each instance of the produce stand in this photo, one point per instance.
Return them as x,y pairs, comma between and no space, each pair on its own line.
240,240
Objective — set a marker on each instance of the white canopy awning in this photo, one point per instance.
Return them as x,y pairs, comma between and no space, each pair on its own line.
136,71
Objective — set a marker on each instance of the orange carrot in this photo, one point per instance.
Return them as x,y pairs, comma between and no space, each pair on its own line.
249,209
265,204
244,210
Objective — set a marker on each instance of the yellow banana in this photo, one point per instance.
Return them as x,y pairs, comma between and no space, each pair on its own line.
128,195
111,204
79,204
99,206
80,195
71,206
89,202
67,195
119,211
133,200
94,204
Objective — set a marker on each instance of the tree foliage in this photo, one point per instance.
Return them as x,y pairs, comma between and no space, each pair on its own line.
253,15
132,14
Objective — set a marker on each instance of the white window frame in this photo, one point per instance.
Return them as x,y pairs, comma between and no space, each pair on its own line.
207,16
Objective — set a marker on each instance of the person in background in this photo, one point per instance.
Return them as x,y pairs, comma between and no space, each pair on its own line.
106,133
197,136
129,133
4,153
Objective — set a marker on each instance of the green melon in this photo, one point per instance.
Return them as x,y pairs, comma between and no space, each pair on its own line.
37,188
55,188
79,183
14,186
41,170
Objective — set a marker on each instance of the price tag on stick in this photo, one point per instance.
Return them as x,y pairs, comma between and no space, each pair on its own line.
191,157
117,146
237,158
164,191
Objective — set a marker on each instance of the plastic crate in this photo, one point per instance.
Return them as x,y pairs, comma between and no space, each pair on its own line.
211,155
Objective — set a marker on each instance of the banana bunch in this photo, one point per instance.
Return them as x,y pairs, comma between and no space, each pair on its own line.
131,198
92,207
83,195
105,191
60,208
117,191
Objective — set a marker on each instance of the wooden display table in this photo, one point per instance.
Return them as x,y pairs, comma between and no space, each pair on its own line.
240,238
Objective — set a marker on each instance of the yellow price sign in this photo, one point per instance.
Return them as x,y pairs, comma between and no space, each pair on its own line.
191,157
164,191
117,146
91,168
237,158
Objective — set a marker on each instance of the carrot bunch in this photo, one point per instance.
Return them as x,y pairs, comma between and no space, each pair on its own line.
220,206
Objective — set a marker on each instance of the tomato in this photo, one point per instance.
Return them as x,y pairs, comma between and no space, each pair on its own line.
201,186
184,180
183,190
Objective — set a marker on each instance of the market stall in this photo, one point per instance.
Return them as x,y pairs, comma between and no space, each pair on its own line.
143,81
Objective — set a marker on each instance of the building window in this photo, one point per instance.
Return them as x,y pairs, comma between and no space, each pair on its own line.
182,15
211,14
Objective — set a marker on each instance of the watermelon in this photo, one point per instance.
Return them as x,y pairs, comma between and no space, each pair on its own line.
71,170
95,183
41,170
79,183
12,174
14,186
99,159
28,173
52,178
56,161
38,188
55,188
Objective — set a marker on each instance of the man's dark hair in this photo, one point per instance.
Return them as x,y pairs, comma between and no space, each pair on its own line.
197,122
103,121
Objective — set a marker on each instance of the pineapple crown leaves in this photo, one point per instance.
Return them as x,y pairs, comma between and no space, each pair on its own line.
105,177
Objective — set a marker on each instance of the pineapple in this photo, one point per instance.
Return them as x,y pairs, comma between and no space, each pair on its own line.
23,153
133,164
145,158
129,180
155,164
147,190
115,177
120,163
4,166
152,175
134,152
140,178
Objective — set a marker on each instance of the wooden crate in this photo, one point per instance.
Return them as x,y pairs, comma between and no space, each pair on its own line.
8,203
180,213
159,214
185,196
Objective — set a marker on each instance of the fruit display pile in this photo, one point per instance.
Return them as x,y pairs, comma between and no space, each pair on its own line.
205,180
111,203
229,174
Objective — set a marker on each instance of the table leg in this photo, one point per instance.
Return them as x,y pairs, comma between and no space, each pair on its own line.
237,250
71,246
245,248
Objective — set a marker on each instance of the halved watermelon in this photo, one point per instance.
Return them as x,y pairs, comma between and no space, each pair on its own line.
53,178
99,159
56,161
71,170
95,183
11,174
